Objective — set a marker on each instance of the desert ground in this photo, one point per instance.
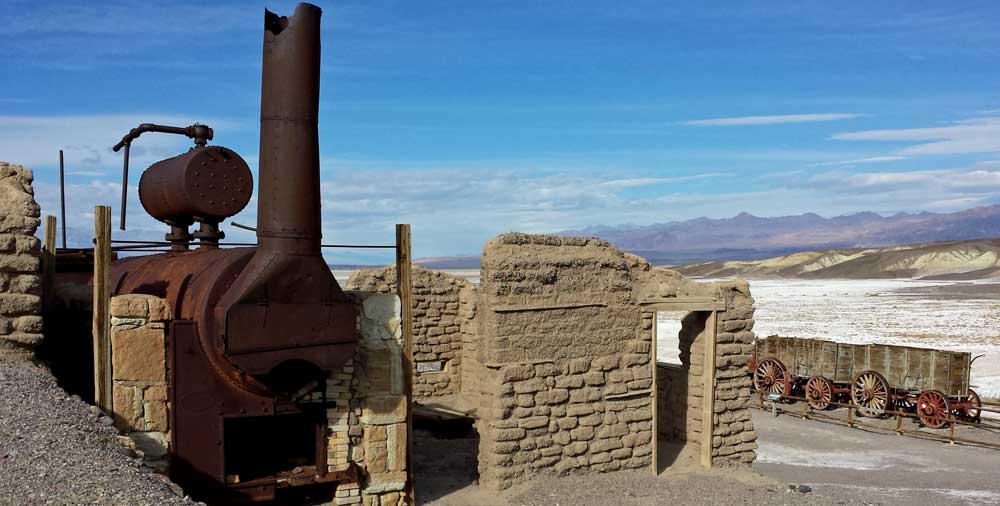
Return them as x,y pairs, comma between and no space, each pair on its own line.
839,466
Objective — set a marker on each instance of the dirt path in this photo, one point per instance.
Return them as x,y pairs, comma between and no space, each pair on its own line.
878,468
842,466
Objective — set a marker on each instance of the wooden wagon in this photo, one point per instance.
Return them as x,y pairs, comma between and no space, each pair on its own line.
876,377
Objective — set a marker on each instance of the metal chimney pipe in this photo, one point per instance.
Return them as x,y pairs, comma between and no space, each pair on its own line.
288,205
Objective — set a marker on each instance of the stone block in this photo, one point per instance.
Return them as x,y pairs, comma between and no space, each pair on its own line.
20,263
138,354
383,410
508,434
534,422
573,381
376,433
594,378
579,365
574,449
582,434
155,415
13,304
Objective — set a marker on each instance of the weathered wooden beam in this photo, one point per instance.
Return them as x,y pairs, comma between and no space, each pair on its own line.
404,289
683,305
102,308
48,268
517,309
708,382
655,389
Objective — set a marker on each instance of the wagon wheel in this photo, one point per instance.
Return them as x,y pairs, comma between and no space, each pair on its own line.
933,408
870,393
969,410
771,377
819,392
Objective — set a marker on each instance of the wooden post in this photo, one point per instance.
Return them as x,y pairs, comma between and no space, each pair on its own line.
102,307
48,266
708,382
62,197
404,289
655,393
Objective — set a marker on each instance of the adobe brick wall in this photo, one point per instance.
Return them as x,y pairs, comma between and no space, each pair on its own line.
20,263
444,309
566,359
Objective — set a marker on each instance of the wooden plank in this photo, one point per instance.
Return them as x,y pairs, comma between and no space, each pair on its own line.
653,394
48,268
102,307
708,383
404,289
517,309
682,305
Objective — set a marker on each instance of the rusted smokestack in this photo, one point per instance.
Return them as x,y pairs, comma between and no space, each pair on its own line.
288,205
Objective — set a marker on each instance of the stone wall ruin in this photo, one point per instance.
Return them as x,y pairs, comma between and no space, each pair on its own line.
20,263
444,310
556,357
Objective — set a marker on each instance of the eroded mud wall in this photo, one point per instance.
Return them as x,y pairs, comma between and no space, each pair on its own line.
567,363
20,262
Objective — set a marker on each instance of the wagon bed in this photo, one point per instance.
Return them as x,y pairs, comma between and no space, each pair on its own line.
904,367
876,377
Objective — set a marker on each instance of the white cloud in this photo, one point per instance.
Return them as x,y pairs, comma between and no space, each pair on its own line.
977,135
86,140
979,184
861,161
771,119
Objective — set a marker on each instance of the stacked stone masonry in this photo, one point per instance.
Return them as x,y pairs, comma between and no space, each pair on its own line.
567,361
20,262
139,373
444,309
567,358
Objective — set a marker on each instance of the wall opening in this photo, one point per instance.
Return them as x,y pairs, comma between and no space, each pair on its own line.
445,455
668,344
679,359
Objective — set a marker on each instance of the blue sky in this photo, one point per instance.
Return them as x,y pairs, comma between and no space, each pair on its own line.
469,119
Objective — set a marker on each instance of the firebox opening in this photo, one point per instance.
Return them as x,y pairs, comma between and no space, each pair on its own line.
258,447
294,378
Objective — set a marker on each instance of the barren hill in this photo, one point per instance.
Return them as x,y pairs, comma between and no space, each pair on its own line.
950,260
749,237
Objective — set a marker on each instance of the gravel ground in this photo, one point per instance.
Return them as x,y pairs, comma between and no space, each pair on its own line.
444,464
55,450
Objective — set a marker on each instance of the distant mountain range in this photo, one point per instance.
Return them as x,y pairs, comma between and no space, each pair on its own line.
950,260
749,237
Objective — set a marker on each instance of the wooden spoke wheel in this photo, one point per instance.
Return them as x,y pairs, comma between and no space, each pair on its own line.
871,394
933,409
970,409
819,392
771,377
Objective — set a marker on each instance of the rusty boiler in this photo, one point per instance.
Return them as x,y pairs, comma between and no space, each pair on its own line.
255,327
